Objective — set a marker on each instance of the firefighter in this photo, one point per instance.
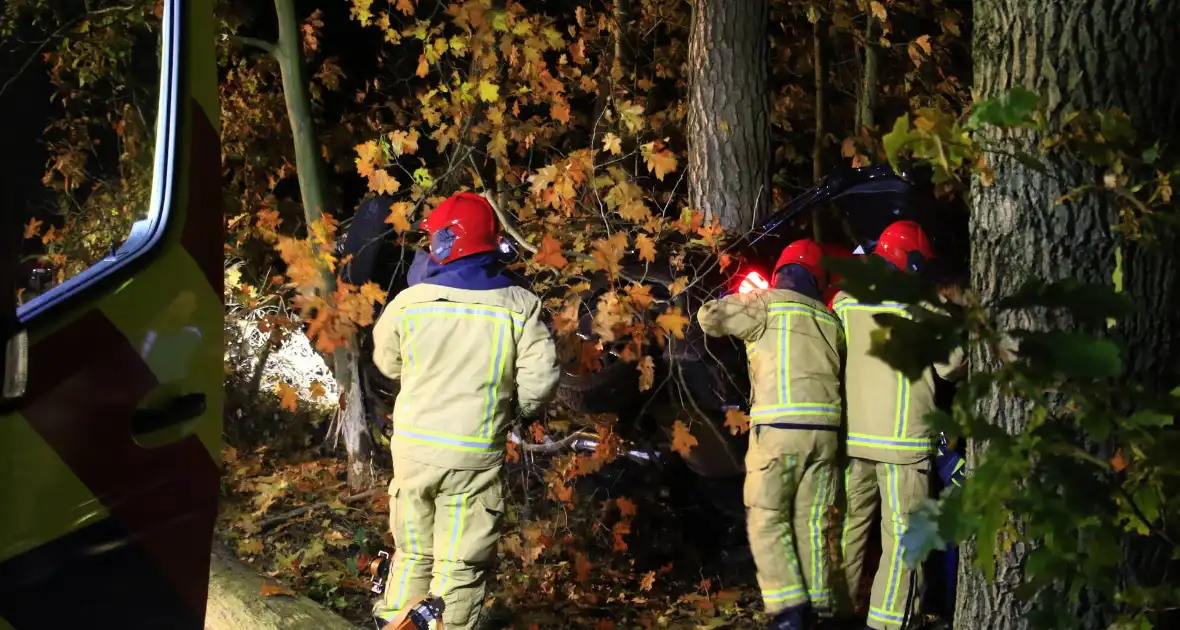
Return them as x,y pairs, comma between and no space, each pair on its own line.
889,447
466,344
793,344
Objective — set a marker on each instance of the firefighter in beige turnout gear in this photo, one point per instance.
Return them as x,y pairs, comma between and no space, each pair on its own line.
793,343
890,448
466,345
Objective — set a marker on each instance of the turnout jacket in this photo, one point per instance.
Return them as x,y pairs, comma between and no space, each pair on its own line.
464,357
793,344
885,409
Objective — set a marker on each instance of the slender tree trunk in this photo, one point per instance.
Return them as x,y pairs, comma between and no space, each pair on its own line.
728,112
1078,55
868,82
312,184
817,147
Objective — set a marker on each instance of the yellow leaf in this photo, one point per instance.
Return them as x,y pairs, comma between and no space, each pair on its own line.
639,296
399,216
679,285
673,322
646,247
612,143
488,91
647,373
317,390
736,421
373,293
404,142
381,182
251,547
608,252
924,43
682,441
287,396
659,160
549,254
878,10
423,67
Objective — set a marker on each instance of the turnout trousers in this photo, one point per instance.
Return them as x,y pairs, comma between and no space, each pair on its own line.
791,478
446,523
899,488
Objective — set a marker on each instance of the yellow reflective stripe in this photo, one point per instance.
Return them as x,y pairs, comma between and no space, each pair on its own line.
884,442
895,560
903,405
780,594
788,541
494,372
49,502
792,308
456,535
410,558
472,311
468,445
817,538
403,396
797,409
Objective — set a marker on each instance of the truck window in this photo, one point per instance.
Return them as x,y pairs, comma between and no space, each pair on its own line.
89,90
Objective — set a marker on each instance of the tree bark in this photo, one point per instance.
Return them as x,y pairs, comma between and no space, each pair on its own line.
312,184
728,112
868,81
236,602
1078,55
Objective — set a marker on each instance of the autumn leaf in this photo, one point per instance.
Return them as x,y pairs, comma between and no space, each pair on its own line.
404,142
646,247
423,67
1118,463
560,111
511,453
367,158
382,183
489,92
924,43
736,421
251,547
673,322
406,7
33,228
399,216
270,590
658,159
678,285
682,441
878,10
639,296
549,254
607,252
373,293
612,143
626,507
648,581
287,396
317,389
647,373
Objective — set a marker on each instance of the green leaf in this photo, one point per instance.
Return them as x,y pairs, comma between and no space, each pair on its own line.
423,177
1013,108
897,139
1152,154
1090,304
870,279
1148,502
921,535
1149,418
910,347
1069,354
1031,162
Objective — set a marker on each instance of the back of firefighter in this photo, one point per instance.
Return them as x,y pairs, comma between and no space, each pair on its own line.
467,347
889,446
793,343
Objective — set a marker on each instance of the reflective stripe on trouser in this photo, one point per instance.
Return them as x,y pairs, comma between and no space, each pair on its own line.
445,523
900,488
790,487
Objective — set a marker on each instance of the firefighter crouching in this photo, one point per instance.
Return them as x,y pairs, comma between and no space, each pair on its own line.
793,343
466,344
889,445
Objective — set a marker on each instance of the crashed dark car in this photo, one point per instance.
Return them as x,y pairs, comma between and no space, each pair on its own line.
698,379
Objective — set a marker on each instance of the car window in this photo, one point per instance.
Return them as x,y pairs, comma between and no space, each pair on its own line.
83,83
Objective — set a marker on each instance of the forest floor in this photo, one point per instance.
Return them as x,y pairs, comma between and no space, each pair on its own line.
600,560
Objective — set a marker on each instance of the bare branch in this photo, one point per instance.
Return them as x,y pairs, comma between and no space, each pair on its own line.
260,44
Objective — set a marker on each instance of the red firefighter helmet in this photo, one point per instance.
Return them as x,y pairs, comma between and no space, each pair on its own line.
900,241
806,253
461,226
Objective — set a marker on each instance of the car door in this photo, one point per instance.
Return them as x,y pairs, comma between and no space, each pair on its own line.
110,429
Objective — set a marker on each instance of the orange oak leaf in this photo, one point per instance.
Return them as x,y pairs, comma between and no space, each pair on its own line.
648,580
399,216
639,296
538,432
560,111
381,182
511,453
626,507
51,236
549,254
317,389
1118,463
33,228
736,421
423,67
682,441
609,251
270,590
406,7
658,159
368,156
673,322
646,247
287,396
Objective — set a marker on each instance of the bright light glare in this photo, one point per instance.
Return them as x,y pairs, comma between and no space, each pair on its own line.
753,280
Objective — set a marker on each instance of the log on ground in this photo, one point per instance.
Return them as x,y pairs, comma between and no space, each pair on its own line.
236,602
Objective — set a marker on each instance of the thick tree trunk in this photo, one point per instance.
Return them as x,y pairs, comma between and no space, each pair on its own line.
1078,55
310,171
236,602
728,113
